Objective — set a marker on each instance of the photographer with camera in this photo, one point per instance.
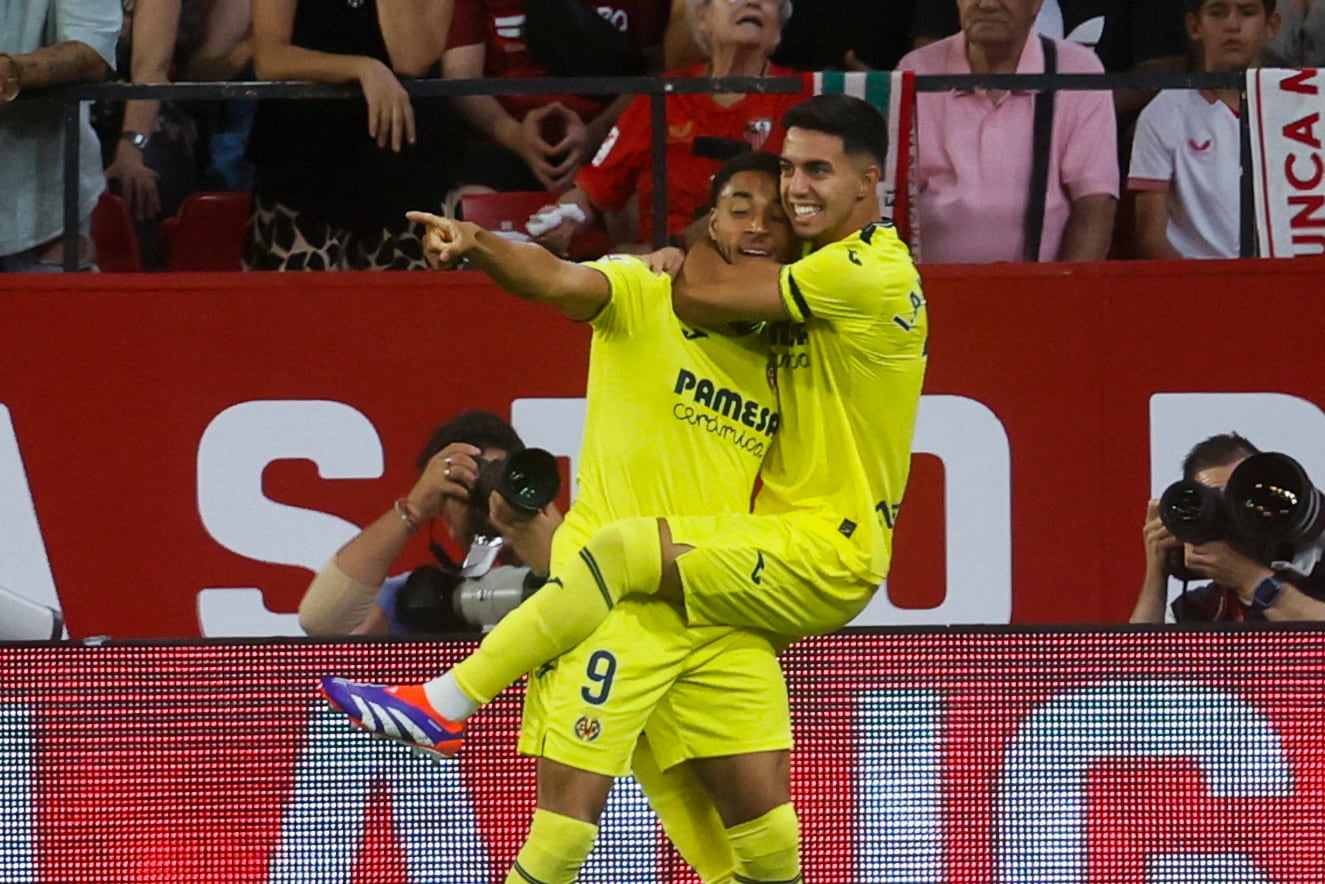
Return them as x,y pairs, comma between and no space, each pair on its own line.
1249,522
355,593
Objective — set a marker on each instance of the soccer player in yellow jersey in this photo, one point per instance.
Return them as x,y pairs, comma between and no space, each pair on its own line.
679,420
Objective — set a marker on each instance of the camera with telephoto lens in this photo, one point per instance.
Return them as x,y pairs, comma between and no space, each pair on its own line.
528,480
1269,510
473,595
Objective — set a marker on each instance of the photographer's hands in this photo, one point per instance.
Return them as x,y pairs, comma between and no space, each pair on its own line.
450,474
1226,566
1158,541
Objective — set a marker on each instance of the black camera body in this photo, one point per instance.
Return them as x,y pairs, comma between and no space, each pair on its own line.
1270,511
474,595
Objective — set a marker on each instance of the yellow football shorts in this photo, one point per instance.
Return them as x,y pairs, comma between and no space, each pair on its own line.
699,693
779,574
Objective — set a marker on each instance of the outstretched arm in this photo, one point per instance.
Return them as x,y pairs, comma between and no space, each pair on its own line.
710,292
525,270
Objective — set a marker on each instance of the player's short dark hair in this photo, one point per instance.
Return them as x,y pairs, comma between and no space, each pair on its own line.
860,125
1217,451
1194,6
482,429
748,161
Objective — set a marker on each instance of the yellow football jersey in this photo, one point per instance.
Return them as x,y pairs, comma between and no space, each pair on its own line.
701,399
849,369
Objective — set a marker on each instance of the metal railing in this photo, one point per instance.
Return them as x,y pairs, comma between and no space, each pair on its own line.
657,88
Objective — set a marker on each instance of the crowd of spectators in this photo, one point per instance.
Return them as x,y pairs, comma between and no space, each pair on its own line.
331,179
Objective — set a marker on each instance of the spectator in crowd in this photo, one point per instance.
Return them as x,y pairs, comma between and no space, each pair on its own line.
978,198
1186,166
703,131
1300,41
156,160
538,142
1242,587
1127,35
46,43
334,178
843,35
355,593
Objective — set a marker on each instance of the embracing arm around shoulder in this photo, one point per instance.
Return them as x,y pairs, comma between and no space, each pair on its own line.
709,291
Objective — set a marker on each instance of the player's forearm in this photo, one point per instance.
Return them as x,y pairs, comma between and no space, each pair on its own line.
533,273
59,65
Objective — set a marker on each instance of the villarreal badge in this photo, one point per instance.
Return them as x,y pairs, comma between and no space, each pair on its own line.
588,729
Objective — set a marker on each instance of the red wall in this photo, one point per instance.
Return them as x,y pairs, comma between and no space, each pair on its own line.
111,381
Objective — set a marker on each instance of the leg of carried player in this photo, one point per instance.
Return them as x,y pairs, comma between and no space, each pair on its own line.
759,572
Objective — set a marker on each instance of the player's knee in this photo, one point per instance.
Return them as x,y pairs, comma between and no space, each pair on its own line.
768,848
626,557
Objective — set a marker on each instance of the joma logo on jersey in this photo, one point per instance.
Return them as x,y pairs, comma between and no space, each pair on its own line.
588,729
727,403
788,334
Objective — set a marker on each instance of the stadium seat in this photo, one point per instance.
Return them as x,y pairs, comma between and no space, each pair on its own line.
508,212
207,233
114,236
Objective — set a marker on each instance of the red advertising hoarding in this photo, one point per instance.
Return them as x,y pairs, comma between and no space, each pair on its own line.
940,757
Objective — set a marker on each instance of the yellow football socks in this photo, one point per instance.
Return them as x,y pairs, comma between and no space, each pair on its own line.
768,848
554,850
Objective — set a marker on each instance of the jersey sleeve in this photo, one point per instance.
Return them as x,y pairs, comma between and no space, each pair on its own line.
633,289
1152,156
467,24
849,279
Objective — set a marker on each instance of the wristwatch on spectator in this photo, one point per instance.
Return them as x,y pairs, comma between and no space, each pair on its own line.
1267,592
12,84
137,139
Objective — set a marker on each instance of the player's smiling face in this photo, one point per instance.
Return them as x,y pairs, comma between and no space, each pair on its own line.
748,221
822,185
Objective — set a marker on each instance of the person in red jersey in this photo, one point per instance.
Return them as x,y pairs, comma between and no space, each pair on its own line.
703,130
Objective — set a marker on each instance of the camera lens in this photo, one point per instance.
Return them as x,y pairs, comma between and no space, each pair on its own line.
1193,513
530,480
1272,498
